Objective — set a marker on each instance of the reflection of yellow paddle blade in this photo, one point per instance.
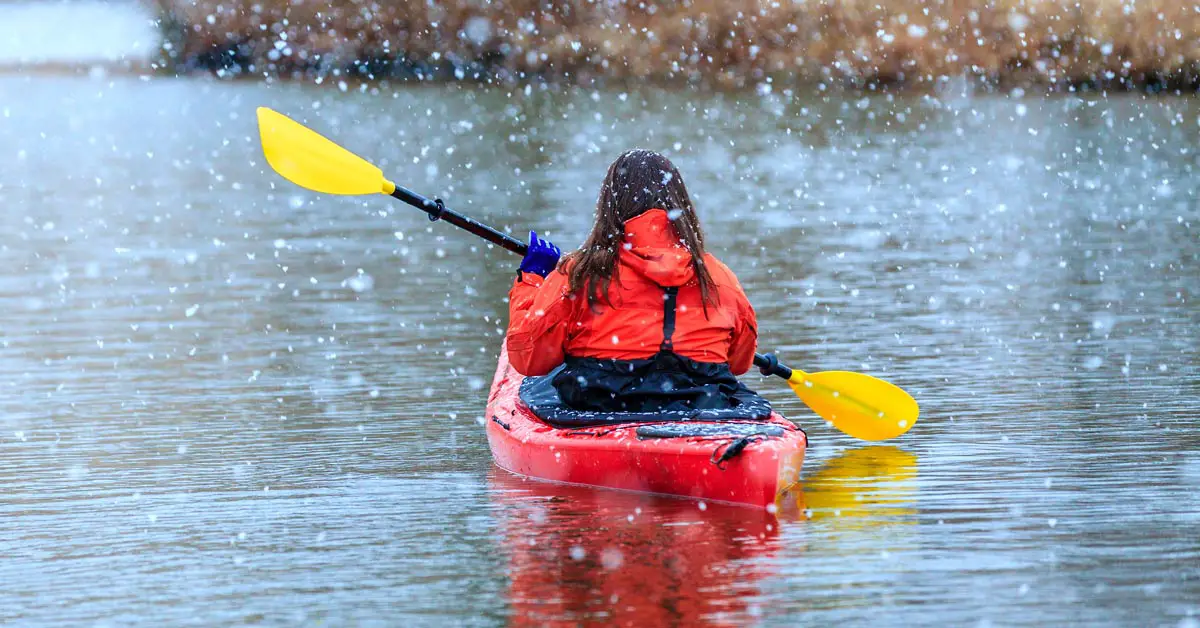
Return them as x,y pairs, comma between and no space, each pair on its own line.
307,159
871,481
860,405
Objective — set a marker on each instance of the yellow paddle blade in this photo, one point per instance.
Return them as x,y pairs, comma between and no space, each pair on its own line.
862,406
310,161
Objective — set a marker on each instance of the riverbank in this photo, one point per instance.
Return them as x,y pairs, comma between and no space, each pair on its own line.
741,43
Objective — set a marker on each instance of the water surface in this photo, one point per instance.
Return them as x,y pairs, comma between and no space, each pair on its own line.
228,400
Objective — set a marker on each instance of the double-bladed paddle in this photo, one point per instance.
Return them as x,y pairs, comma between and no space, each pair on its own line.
862,406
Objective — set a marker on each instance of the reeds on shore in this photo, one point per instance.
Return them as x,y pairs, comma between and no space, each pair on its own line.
1053,43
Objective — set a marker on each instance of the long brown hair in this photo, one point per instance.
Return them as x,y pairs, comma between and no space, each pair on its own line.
639,180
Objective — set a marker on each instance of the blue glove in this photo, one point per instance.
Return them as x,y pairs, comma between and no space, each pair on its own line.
541,257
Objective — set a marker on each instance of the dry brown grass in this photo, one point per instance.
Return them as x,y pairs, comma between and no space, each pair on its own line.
731,42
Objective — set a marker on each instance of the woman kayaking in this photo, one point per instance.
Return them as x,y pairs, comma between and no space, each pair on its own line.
641,318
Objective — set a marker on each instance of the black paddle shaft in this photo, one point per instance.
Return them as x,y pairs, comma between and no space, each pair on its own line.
437,210
769,365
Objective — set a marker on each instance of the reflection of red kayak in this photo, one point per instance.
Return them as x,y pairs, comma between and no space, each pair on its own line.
741,462
584,557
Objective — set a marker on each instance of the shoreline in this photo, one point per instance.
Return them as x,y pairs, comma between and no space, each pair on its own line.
947,87
1096,45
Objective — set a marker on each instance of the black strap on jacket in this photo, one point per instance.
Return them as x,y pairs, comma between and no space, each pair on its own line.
668,317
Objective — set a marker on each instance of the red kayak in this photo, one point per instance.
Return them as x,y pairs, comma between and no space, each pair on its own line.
754,463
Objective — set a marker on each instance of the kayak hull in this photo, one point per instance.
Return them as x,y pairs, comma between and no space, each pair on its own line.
613,456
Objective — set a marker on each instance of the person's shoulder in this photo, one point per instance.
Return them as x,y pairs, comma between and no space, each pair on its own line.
718,269
562,273
727,282
559,279
568,262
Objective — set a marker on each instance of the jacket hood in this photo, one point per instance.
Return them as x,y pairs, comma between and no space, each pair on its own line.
652,249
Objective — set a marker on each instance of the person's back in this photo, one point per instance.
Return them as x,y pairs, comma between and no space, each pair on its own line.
643,318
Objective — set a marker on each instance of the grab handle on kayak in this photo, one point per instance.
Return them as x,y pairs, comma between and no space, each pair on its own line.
732,450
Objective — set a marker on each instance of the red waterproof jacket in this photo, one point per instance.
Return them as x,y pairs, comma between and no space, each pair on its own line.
547,322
